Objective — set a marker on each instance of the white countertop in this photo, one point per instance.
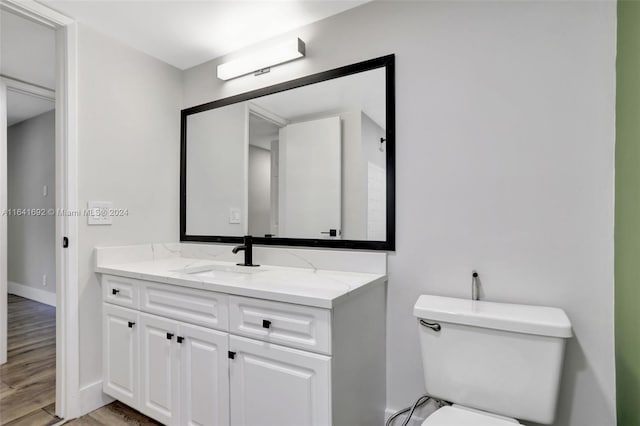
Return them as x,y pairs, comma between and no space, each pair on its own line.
304,286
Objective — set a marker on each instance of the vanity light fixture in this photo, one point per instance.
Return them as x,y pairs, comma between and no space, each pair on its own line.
261,61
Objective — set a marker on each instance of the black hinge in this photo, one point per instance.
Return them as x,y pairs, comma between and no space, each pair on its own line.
232,355
65,242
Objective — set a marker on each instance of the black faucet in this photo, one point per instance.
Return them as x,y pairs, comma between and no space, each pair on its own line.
247,247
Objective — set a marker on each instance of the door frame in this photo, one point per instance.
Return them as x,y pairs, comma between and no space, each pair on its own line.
66,184
260,112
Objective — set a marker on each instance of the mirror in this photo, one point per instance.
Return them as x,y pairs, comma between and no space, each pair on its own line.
309,162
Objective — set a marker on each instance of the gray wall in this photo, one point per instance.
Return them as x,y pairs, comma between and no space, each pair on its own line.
505,136
30,166
128,153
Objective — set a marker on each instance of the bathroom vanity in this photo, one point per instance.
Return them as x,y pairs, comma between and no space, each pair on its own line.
195,341
190,338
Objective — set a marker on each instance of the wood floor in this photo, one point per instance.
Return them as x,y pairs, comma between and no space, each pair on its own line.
28,379
114,414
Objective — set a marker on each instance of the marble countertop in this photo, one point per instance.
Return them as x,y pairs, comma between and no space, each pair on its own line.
304,286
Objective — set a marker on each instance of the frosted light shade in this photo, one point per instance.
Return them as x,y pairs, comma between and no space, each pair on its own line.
261,59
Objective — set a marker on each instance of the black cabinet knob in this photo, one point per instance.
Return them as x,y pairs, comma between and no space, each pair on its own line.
169,336
266,324
232,355
179,339
131,324
115,291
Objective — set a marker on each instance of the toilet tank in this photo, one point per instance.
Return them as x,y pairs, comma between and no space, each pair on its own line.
497,357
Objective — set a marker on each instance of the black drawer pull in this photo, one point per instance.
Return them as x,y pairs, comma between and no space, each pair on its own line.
169,336
115,291
179,339
266,324
131,324
232,355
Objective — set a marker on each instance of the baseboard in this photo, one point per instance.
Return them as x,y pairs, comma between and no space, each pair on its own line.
92,398
32,293
415,419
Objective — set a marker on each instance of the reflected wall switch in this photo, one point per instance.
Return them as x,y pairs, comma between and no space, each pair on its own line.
99,213
235,215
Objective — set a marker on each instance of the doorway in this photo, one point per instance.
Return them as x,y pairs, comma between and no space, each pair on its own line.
28,68
28,377
64,191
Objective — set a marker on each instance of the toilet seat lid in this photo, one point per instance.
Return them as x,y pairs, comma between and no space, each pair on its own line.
456,415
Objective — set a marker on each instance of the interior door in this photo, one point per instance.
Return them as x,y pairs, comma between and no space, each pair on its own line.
159,393
273,385
204,386
310,179
120,353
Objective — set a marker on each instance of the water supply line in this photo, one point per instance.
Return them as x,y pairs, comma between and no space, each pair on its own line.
419,402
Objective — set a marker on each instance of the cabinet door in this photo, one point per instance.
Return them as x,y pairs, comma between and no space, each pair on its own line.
120,353
204,378
272,385
159,391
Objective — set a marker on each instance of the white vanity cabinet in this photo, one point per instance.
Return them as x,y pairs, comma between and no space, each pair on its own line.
187,356
183,372
274,385
120,339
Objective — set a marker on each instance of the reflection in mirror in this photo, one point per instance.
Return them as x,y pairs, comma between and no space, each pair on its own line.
304,163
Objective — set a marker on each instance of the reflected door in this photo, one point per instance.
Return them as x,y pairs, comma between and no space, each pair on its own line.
310,163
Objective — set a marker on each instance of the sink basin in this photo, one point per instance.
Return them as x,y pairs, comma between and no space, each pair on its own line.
217,270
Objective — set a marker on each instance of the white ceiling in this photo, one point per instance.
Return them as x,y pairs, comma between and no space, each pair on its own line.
185,33
21,107
262,132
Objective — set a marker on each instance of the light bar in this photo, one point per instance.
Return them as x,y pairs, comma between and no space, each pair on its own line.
262,60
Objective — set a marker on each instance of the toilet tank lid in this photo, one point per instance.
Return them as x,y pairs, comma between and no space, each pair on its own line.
540,320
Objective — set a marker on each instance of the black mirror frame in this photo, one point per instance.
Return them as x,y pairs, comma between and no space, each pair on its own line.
386,62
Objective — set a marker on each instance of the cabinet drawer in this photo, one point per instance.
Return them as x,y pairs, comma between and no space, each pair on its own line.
120,291
297,326
200,307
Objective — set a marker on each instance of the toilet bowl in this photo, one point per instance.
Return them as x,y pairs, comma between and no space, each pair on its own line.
496,362
457,415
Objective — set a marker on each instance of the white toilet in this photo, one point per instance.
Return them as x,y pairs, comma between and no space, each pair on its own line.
496,362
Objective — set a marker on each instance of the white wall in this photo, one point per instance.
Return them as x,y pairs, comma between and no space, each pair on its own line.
216,147
505,130
30,166
354,211
129,150
259,205
374,179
